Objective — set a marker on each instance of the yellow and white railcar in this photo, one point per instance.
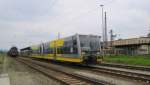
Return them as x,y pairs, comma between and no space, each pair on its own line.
76,48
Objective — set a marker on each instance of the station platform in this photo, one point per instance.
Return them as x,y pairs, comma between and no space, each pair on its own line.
4,79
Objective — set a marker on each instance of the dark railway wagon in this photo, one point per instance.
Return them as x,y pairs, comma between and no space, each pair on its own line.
13,52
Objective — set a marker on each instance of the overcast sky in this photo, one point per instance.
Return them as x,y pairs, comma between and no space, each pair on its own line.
27,22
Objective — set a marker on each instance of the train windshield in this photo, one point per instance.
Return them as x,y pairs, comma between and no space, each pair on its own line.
89,43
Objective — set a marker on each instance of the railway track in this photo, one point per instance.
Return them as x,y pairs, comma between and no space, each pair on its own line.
96,69
125,73
143,68
60,75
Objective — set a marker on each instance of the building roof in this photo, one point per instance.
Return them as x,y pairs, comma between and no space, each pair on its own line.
132,41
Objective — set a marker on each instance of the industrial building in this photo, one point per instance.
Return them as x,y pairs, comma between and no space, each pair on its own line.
133,46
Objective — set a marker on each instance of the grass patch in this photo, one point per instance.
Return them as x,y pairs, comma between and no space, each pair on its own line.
131,60
1,58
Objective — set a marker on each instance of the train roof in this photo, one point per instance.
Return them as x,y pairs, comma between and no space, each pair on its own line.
34,47
27,48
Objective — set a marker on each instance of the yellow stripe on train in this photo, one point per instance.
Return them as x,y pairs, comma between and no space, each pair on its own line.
69,59
60,58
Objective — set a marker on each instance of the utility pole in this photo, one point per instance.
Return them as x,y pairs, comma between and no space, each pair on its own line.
111,37
105,32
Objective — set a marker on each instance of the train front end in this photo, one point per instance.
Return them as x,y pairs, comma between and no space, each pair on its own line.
91,57
90,48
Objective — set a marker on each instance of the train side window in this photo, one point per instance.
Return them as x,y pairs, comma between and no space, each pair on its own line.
75,50
59,50
71,49
51,50
74,42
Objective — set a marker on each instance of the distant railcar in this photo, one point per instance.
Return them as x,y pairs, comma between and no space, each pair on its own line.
25,52
13,52
77,48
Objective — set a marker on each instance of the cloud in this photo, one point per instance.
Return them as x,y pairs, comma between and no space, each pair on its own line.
27,22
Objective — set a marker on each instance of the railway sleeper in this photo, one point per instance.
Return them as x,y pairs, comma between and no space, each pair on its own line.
131,76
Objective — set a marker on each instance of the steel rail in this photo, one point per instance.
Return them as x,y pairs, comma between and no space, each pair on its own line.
143,68
44,68
128,74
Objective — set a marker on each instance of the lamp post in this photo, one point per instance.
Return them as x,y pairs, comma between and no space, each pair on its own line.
103,36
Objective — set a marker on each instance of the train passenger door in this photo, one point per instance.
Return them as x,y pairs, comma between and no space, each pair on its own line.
41,49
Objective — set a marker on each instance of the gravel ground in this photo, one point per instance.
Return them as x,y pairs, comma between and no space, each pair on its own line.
111,79
100,76
0,68
20,74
